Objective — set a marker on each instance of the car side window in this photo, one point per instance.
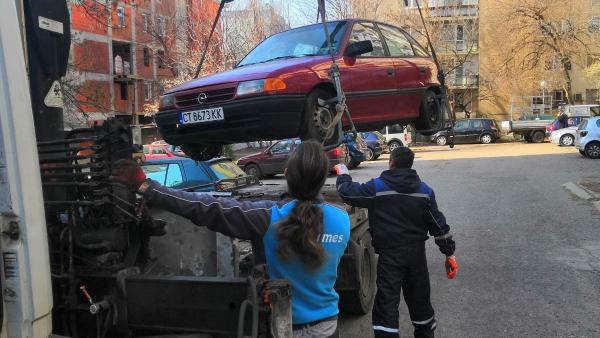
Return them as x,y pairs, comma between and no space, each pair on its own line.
462,124
282,147
146,150
476,124
367,32
395,129
156,172
174,176
397,43
158,150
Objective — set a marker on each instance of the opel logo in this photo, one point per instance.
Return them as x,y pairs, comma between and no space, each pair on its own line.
202,98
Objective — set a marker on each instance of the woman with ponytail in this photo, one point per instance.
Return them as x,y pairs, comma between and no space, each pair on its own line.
303,238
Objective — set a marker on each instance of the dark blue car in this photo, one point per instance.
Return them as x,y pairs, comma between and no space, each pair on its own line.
219,174
356,149
375,144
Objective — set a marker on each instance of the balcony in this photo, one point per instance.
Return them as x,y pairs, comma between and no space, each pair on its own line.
463,82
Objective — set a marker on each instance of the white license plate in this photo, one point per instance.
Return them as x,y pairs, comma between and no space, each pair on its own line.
202,115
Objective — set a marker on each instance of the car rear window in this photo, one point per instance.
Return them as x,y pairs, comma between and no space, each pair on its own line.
226,169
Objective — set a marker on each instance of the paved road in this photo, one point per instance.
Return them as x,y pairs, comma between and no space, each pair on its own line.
528,251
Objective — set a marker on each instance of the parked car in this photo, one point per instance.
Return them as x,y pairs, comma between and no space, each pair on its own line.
587,139
469,131
277,90
183,173
396,136
356,149
157,151
375,144
272,160
564,136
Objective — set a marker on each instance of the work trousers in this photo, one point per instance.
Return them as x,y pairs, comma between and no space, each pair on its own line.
403,270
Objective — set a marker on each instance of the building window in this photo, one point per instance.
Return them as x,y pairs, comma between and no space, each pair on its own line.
594,24
144,22
160,59
121,16
124,91
148,91
146,57
160,26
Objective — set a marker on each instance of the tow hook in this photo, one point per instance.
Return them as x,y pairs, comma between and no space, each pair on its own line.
95,308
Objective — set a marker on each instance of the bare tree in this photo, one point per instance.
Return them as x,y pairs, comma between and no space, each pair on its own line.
548,38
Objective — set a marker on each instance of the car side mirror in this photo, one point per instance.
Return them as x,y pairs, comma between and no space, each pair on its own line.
358,48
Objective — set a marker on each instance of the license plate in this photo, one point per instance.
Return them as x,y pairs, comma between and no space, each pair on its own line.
202,115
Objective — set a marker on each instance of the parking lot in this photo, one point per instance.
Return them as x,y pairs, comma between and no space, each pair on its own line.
528,249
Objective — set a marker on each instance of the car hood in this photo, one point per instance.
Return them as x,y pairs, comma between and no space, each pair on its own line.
249,72
249,157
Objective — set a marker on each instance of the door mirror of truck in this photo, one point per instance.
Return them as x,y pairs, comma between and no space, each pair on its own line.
358,48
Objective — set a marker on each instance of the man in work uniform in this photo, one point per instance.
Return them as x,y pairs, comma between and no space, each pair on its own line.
402,211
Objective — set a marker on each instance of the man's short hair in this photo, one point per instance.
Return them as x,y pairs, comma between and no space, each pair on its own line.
402,157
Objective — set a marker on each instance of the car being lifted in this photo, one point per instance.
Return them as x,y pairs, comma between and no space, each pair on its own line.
283,89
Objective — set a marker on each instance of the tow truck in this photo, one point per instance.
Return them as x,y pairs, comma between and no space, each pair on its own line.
84,257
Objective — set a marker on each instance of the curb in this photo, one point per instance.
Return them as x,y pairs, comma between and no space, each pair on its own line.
583,193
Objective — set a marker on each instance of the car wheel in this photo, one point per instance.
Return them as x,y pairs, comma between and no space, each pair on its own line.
592,150
369,155
441,140
317,116
353,164
252,170
566,140
360,301
582,152
202,152
430,113
486,139
376,157
393,145
538,137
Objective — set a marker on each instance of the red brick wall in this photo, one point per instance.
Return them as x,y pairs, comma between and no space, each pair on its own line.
97,94
91,56
89,17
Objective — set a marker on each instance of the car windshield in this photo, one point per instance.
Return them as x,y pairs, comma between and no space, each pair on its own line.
226,169
303,41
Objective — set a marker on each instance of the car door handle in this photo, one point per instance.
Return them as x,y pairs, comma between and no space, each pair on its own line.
422,70
390,71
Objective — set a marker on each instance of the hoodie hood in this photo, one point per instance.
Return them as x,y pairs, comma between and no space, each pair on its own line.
402,180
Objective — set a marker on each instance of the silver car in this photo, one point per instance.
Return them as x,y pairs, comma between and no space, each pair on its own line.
564,136
587,139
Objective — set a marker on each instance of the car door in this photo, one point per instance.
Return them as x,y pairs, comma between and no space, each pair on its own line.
197,176
461,128
276,158
409,90
373,83
475,130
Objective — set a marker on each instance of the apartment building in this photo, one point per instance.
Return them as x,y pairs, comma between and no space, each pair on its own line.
123,52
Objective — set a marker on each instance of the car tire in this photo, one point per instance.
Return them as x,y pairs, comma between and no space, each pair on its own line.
202,152
441,140
486,139
376,157
369,154
317,117
582,152
566,140
538,137
353,164
394,144
360,301
252,169
592,150
430,113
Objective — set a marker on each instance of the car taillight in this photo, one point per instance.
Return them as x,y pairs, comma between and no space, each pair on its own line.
493,127
336,152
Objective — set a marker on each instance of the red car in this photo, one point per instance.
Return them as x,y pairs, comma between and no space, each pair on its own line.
279,90
156,151
272,160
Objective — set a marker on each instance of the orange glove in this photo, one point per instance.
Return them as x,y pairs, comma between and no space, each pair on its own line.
451,267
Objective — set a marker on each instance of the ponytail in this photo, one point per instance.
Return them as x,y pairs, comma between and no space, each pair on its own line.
300,231
299,234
